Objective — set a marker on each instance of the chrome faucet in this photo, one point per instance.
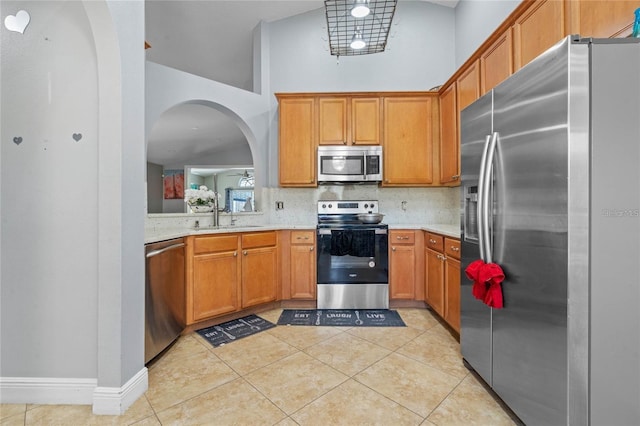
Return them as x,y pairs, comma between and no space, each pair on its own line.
216,212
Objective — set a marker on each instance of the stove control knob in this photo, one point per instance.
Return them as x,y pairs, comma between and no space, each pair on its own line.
371,205
366,205
330,205
324,206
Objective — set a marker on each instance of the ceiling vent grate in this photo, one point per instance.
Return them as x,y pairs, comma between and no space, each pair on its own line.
366,34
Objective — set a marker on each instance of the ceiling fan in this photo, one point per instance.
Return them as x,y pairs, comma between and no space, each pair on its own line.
244,175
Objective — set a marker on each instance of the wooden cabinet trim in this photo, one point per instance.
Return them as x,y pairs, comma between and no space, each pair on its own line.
259,239
215,243
402,237
435,242
452,247
303,237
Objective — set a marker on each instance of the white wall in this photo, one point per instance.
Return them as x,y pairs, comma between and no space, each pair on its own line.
49,197
167,87
475,21
419,54
72,269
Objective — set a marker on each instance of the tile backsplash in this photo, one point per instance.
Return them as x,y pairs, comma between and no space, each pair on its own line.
423,206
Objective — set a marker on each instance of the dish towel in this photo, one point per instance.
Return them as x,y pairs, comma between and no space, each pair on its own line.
487,279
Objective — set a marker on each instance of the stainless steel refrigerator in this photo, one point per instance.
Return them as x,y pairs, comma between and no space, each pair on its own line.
551,192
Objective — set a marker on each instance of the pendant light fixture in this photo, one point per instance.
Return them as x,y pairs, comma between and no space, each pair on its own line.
360,8
371,20
357,41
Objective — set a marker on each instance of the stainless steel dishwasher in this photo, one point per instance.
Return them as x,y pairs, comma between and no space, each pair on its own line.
165,295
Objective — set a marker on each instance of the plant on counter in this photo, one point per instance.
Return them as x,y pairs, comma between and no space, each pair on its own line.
202,196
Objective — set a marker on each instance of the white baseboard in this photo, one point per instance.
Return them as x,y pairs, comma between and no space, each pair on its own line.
115,401
105,400
44,390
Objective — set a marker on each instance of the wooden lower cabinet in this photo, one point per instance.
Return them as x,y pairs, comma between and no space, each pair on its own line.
434,275
259,268
402,265
452,293
215,284
302,265
259,273
229,272
442,277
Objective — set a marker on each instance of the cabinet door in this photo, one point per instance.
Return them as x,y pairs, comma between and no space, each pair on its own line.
303,271
365,121
452,293
602,19
541,26
468,86
215,284
297,147
401,269
332,121
259,276
496,63
434,276
408,141
449,144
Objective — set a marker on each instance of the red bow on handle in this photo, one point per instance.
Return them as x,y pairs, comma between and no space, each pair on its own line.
486,279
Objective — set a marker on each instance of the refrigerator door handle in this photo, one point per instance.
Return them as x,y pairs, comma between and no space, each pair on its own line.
481,199
485,194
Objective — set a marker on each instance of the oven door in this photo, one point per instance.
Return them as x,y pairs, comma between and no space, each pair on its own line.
353,267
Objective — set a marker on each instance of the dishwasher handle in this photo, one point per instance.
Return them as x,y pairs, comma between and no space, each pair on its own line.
165,249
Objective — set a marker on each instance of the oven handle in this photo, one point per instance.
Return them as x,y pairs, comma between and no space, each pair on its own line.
327,231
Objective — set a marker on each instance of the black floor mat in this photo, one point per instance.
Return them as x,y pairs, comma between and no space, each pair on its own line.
342,317
236,329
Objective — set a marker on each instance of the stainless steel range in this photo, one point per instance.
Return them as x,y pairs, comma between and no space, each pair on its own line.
353,259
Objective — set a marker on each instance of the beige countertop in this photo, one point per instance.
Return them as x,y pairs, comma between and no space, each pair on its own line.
161,234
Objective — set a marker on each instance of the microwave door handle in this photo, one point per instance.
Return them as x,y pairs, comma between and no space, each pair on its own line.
364,166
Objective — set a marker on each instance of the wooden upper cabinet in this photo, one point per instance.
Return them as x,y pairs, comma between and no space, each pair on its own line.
496,63
449,152
332,121
349,120
538,28
408,135
365,121
602,19
297,141
468,86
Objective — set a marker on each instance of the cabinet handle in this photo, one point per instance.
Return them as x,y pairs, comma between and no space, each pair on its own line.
311,248
235,254
302,238
244,252
344,142
455,177
432,241
402,237
454,248
393,249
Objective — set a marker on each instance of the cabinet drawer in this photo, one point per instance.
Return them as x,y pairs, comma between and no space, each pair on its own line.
258,239
435,241
302,237
402,237
215,244
452,247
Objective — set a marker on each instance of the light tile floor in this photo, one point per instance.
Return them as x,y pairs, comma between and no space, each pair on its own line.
291,375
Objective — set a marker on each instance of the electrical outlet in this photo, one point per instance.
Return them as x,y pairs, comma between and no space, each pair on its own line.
279,205
404,205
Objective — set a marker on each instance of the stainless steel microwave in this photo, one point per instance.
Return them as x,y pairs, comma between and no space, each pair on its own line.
349,164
